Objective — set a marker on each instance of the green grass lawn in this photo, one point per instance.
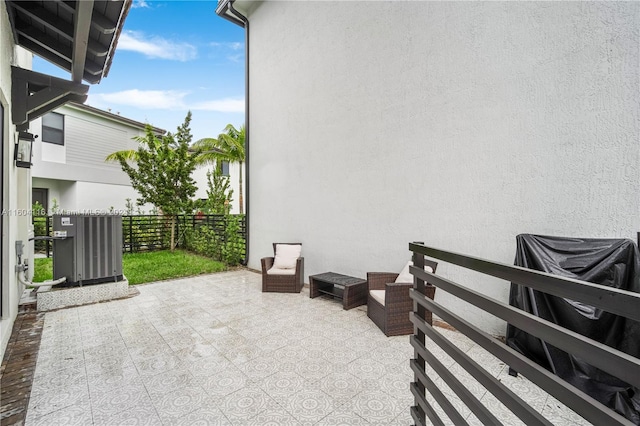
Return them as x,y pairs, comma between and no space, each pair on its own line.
146,267
43,269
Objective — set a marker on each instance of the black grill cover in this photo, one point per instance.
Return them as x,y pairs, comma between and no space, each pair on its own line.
610,262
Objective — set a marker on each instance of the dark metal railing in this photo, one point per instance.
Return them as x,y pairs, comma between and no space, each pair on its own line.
150,232
608,359
146,232
42,227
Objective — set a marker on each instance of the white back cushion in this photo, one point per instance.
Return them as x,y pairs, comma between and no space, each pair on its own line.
406,277
286,256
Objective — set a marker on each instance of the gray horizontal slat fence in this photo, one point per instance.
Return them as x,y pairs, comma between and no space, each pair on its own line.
610,360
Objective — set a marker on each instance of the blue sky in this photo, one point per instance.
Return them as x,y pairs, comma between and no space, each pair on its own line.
172,57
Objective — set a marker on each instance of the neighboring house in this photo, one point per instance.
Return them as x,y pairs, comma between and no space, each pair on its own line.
228,169
79,37
69,159
460,124
78,178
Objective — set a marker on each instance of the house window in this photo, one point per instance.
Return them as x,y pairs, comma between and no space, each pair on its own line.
53,128
224,168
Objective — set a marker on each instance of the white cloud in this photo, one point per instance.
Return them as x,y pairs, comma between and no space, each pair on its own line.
156,47
221,105
163,99
235,45
234,51
148,99
139,3
236,58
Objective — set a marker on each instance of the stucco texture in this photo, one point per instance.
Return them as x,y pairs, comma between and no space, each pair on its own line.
461,124
15,182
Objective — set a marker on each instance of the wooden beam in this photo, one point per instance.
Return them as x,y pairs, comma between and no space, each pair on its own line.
46,18
34,94
46,42
98,22
82,26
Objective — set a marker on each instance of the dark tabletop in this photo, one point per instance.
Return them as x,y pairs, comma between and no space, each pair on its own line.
339,279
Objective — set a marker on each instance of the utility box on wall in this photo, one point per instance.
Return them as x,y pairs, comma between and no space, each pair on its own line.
87,249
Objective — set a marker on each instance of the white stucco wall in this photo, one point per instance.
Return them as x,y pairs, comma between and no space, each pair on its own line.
461,124
15,182
103,197
89,197
47,151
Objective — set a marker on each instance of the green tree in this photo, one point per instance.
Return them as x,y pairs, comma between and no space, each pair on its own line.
234,246
229,146
162,171
55,207
219,195
129,206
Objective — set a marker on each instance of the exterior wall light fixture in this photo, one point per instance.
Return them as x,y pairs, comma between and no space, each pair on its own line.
23,151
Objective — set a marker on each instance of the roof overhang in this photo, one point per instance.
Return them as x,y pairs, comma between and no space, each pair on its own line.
78,36
113,117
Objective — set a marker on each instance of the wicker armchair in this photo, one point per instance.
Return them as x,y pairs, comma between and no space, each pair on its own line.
282,283
392,316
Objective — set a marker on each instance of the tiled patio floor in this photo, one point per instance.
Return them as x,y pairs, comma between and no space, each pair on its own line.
214,350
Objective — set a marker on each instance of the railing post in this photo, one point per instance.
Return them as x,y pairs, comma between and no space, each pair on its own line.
419,286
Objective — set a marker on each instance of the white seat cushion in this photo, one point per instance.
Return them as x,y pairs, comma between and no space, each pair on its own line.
279,271
286,256
406,277
378,296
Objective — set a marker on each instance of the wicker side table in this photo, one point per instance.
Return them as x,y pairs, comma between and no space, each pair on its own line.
351,290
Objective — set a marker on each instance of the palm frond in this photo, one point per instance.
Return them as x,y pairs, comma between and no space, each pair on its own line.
127,155
207,151
205,143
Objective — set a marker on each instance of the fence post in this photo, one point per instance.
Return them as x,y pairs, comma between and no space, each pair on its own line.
47,222
130,234
193,229
177,230
243,234
224,229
